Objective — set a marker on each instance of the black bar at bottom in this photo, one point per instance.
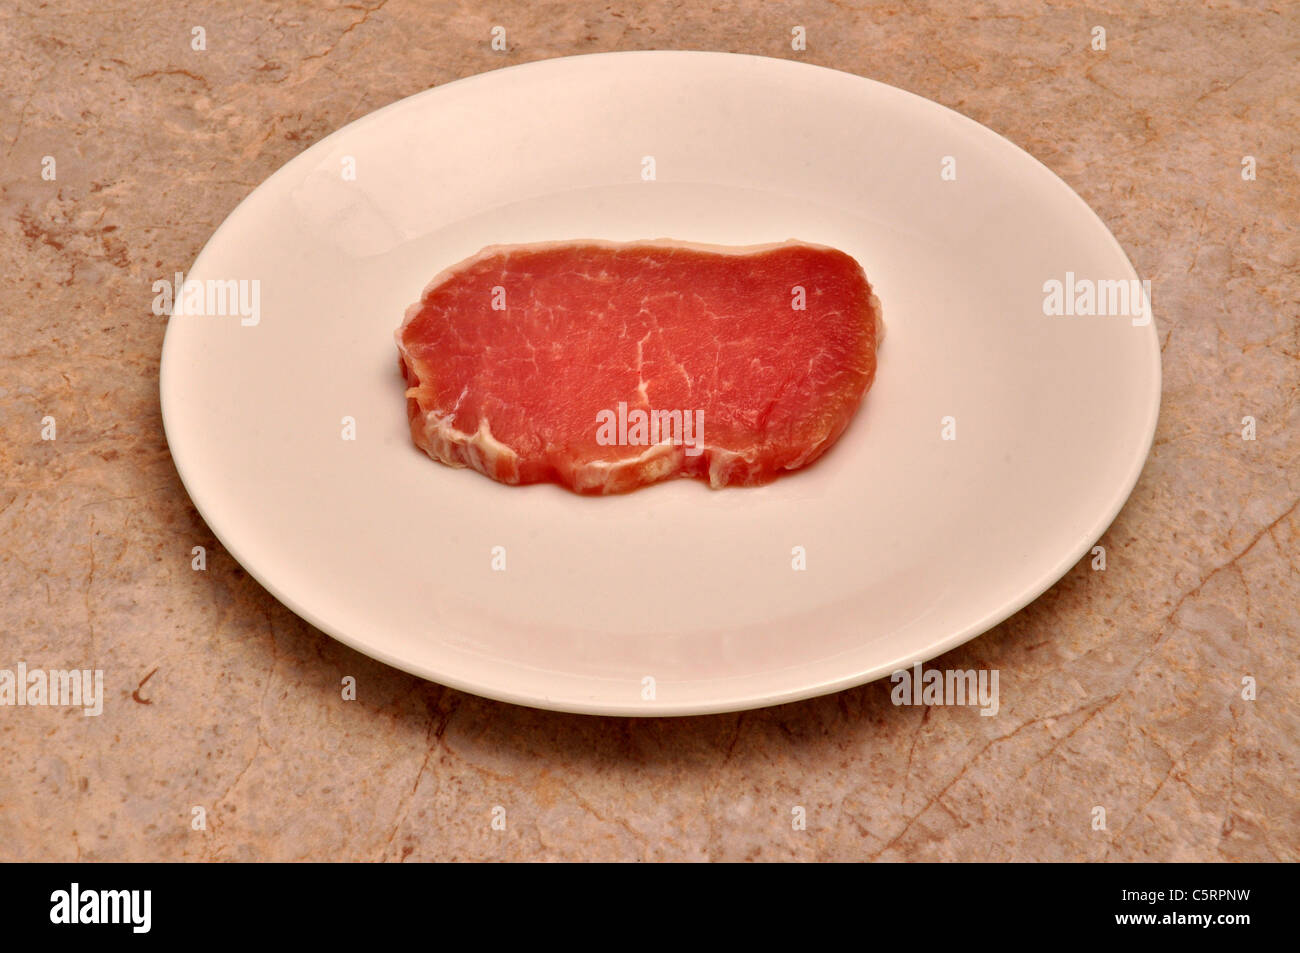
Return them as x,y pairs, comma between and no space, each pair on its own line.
577,904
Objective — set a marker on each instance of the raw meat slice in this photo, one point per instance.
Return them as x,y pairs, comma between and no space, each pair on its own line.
607,366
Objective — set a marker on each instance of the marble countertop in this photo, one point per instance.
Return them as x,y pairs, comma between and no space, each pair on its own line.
1121,689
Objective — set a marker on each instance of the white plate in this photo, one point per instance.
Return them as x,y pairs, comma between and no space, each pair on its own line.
914,543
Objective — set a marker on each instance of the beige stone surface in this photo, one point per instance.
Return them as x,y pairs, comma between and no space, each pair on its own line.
1120,688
